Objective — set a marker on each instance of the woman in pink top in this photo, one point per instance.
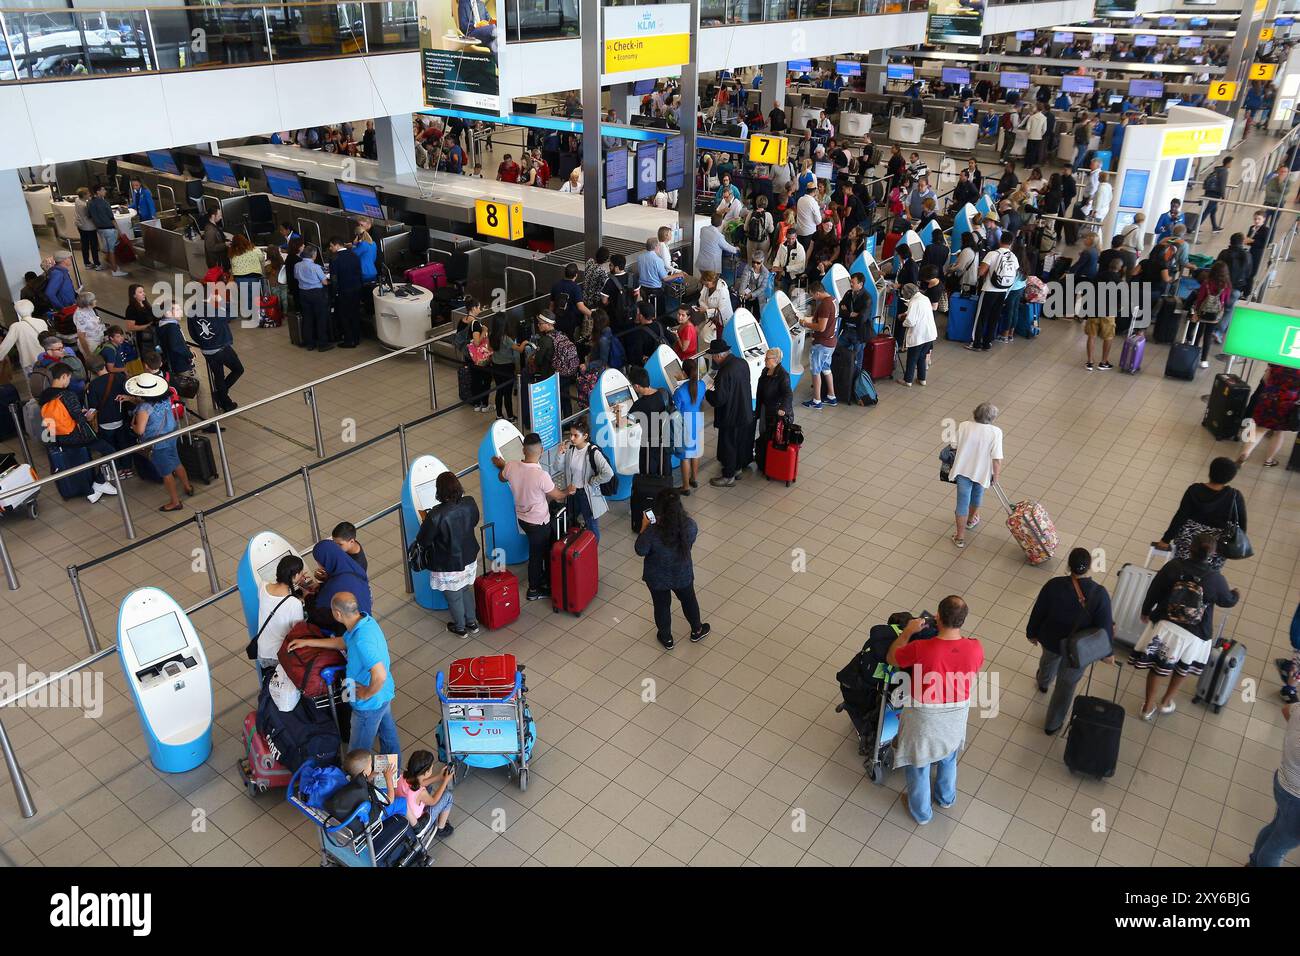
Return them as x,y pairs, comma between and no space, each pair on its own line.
416,784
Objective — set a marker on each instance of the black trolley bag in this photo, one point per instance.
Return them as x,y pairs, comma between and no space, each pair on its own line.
1094,732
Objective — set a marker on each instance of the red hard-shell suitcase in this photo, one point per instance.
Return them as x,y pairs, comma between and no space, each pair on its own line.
272,313
891,242
575,569
496,594
468,676
879,358
432,276
781,463
261,771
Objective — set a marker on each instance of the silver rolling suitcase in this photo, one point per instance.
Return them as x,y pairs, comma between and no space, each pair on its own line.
1130,592
1222,673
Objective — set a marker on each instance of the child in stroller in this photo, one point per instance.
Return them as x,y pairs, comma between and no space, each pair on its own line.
867,687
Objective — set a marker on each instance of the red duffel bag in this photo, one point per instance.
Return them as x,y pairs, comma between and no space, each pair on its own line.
304,665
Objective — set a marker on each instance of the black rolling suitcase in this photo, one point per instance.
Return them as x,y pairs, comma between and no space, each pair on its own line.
646,486
196,456
1094,732
294,321
842,373
1226,408
1185,356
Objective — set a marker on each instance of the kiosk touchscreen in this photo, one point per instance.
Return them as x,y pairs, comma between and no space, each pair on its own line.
502,440
782,331
614,433
167,674
419,494
985,205
915,248
965,220
665,369
836,282
745,336
926,233
256,568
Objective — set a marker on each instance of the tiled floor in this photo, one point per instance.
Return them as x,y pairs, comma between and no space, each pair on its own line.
741,758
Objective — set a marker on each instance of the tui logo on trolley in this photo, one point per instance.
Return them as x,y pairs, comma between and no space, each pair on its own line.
479,736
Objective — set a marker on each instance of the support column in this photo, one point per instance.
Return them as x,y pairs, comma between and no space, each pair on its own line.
876,62
690,108
624,104
772,90
593,181
18,250
395,145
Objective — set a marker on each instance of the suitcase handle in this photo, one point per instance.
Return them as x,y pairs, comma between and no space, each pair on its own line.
1002,497
1119,670
482,532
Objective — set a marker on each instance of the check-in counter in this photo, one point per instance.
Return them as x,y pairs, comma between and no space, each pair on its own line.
39,203
906,129
960,135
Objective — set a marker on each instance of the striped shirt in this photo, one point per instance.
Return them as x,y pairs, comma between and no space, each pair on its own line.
1288,775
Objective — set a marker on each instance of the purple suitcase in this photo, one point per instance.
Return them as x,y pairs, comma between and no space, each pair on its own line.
1130,359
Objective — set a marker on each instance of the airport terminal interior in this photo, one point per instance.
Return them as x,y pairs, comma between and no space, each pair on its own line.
731,750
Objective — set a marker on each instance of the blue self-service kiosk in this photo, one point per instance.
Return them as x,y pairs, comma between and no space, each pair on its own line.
665,369
836,282
986,206
745,336
874,285
167,675
965,221
782,330
615,434
915,248
927,232
503,440
419,494
256,568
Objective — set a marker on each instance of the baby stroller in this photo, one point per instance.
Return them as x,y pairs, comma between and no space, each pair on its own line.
367,835
870,690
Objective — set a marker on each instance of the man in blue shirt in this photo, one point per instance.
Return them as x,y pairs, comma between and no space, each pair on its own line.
369,680
1167,220
652,273
346,283
966,113
58,282
1062,101
209,328
142,201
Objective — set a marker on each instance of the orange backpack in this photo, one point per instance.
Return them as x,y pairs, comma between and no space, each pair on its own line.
55,417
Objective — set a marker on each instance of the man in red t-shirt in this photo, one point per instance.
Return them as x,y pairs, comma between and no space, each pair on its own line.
932,729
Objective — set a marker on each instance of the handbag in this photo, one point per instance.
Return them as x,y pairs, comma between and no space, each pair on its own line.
186,384
1086,646
1234,544
251,650
947,455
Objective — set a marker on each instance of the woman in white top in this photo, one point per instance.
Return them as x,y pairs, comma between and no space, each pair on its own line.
574,183
920,332
90,328
278,610
976,464
715,298
967,266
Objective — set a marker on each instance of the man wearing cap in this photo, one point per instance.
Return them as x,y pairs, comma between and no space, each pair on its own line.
751,284
59,288
732,398
822,326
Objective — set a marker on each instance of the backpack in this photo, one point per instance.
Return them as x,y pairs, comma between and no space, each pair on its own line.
607,488
864,389
1211,308
1213,184
1185,604
1004,272
1035,291
56,414
592,282
617,354
756,227
566,356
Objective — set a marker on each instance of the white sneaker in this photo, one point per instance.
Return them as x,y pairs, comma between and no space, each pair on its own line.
1169,708
119,274
104,488
1205,365
94,495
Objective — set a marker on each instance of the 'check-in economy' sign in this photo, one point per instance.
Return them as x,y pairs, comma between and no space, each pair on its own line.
645,38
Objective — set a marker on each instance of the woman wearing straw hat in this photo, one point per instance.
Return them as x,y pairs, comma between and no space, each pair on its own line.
152,419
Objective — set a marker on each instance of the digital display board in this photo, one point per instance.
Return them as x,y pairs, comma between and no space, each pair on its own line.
219,170
163,161
959,22
952,74
900,71
1013,81
284,184
359,199
675,163
848,67
615,178
1078,84
647,170
1150,88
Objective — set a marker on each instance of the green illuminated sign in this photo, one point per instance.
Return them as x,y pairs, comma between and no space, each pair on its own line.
1265,333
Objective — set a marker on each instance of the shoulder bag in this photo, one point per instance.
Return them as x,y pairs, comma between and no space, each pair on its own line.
251,650
1235,545
1086,645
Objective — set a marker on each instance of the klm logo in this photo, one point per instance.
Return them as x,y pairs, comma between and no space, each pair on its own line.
647,23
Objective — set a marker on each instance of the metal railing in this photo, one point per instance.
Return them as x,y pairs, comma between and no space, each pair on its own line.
110,462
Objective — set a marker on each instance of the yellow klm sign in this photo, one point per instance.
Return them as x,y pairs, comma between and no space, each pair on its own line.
1205,141
625,54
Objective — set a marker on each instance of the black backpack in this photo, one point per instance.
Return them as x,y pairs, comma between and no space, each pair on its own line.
1185,605
756,227
607,488
298,735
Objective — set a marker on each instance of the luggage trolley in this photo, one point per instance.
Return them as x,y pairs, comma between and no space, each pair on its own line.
388,841
13,477
485,724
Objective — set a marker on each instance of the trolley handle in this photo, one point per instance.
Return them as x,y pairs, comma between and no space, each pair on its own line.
440,682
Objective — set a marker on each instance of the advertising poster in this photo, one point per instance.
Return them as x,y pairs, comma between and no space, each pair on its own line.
955,21
1115,8
459,46
544,410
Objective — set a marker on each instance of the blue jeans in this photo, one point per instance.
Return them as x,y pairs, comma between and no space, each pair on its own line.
918,787
367,724
916,356
1282,835
582,510
969,495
